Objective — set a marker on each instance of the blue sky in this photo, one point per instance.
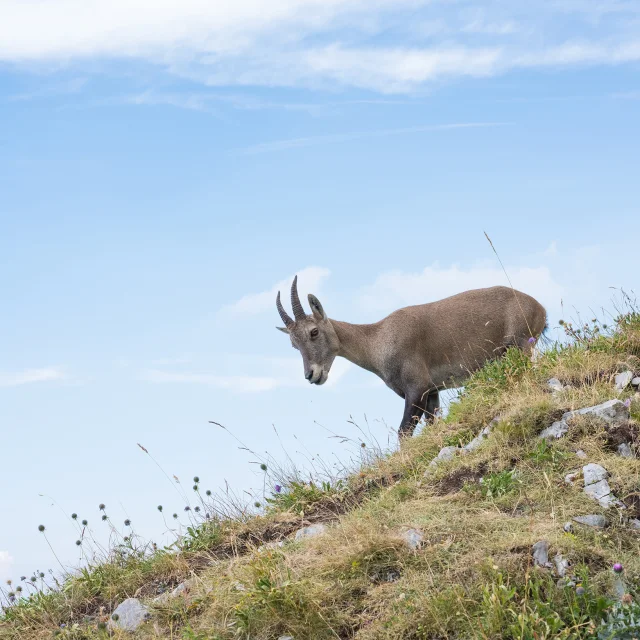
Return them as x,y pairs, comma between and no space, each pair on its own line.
165,167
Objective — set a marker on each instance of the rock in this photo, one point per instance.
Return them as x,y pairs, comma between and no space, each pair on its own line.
562,565
636,382
634,523
129,615
581,454
555,385
597,487
568,527
311,531
592,520
541,553
565,583
446,453
622,380
286,638
594,473
182,589
624,450
613,412
478,440
413,538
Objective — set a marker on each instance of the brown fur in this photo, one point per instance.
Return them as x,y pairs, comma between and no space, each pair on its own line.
421,349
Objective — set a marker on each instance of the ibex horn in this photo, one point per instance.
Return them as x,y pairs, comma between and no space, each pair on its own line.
296,305
283,314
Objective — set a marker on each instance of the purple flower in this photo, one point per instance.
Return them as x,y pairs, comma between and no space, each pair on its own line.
617,567
580,591
532,340
278,488
627,402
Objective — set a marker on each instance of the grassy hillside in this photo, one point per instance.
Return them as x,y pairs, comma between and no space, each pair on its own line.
473,519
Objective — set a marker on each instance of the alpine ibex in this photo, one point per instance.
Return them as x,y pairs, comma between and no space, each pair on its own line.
417,350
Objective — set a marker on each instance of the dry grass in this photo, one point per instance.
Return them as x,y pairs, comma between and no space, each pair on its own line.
473,575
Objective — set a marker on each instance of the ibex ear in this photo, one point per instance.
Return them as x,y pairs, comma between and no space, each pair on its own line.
316,308
283,329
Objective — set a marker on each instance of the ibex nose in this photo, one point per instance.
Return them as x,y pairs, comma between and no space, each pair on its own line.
309,375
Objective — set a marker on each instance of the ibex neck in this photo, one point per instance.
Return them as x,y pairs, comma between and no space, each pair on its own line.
357,344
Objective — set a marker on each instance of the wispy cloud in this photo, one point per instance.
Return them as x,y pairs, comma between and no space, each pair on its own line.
30,376
247,384
293,143
309,281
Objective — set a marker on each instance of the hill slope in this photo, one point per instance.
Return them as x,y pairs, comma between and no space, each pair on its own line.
479,544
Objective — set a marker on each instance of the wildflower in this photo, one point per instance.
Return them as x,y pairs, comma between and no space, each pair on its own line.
160,508
208,492
18,588
618,568
104,517
74,516
32,578
531,340
187,508
175,516
195,487
41,528
263,466
102,625
278,488
127,523
115,617
197,509
196,479
580,591
78,543
84,523
41,574
63,625
256,504
627,402
101,507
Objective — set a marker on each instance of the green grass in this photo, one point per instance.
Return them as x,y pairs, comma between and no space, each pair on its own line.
479,515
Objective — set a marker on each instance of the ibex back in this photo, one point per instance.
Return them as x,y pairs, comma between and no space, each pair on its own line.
421,349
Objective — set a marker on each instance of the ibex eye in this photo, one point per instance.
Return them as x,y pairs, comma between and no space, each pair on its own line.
314,333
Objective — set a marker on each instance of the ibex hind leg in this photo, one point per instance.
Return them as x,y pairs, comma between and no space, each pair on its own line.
432,406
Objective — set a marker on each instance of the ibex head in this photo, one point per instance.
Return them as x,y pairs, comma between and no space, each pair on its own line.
314,335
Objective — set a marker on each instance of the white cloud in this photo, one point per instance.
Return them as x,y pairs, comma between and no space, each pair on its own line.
29,376
309,281
398,288
6,561
316,43
294,143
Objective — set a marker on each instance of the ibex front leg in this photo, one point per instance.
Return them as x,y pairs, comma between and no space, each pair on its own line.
415,403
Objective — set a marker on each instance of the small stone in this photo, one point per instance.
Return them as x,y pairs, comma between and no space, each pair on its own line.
570,478
541,553
636,382
568,527
592,520
562,565
634,523
555,385
623,379
270,545
311,531
413,538
446,453
581,454
601,491
285,638
564,583
130,614
625,451
594,473
478,440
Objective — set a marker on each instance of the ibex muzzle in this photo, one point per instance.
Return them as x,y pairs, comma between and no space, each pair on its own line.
417,350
